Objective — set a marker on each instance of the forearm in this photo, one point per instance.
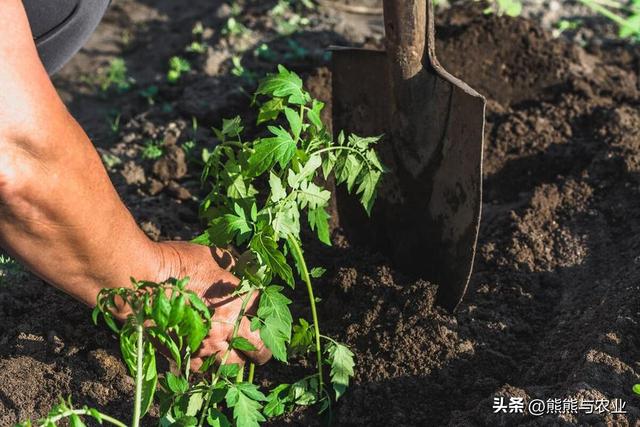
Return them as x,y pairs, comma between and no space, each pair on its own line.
59,213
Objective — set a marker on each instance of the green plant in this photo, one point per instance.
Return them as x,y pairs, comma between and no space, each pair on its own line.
233,27
177,67
239,70
626,15
511,8
166,315
287,16
115,76
636,389
153,150
149,93
265,227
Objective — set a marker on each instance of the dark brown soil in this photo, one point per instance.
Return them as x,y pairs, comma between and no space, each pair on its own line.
553,309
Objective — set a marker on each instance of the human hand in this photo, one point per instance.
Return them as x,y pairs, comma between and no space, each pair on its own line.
210,279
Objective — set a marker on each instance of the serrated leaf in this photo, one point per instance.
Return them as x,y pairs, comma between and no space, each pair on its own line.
199,305
161,309
195,328
314,114
232,127
268,151
284,84
270,110
319,222
178,385
286,219
228,227
216,418
302,338
277,189
317,272
275,329
150,379
245,400
328,163
266,248
295,122
312,196
306,173
242,344
342,363
367,189
230,370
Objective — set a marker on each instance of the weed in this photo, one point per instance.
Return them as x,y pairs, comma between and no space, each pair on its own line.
152,150
177,67
149,93
287,16
511,8
110,160
239,70
115,77
627,16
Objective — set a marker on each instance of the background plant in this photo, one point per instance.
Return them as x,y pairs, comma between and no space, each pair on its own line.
625,14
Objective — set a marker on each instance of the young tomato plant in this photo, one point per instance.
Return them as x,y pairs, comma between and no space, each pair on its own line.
292,162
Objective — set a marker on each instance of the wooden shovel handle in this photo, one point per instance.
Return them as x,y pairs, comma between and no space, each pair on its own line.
405,23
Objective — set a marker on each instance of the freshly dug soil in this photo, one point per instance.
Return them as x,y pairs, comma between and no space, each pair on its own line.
553,309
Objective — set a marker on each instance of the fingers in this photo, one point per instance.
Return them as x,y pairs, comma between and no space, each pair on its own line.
262,354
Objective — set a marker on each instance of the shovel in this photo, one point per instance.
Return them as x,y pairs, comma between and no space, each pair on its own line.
427,214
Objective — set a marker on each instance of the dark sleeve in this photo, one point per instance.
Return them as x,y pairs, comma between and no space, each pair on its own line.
61,27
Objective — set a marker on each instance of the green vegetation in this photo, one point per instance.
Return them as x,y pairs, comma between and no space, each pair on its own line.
115,77
153,150
511,8
292,162
177,67
626,15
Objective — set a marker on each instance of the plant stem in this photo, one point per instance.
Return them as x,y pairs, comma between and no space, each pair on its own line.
225,356
252,371
295,247
604,11
85,412
240,376
137,403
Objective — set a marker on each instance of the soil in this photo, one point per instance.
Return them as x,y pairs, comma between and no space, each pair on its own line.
553,308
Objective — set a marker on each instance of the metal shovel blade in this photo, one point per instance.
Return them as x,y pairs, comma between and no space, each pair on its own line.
427,214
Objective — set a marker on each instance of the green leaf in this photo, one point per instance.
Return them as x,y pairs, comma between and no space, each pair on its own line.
295,122
317,272
367,189
177,311
313,196
302,338
314,114
277,189
224,229
216,418
242,344
230,370
286,219
195,403
275,329
266,248
277,400
636,389
270,110
284,84
232,127
245,400
197,329
268,151
342,363
150,379
319,220
306,173
161,309
198,304
178,385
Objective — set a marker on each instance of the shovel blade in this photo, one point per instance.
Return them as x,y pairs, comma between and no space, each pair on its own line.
427,214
